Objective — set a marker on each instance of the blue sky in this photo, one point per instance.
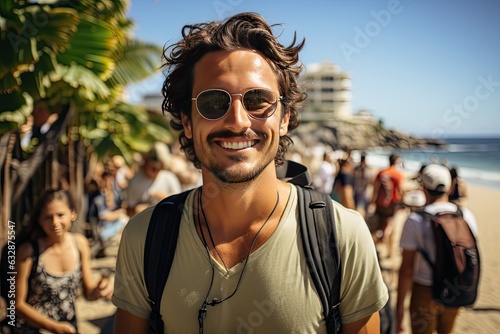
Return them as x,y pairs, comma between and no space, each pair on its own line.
426,67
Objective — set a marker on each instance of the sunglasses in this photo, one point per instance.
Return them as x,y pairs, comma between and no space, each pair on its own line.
213,104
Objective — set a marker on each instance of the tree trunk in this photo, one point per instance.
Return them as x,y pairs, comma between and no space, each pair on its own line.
7,189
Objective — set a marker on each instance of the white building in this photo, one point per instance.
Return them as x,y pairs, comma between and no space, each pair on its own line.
328,90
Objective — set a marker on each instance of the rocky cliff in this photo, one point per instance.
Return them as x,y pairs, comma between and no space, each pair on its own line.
357,134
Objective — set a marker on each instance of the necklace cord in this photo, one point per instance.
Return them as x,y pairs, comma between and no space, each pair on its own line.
203,310
209,232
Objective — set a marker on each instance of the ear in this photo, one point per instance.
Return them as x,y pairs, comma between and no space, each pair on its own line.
187,124
73,216
284,124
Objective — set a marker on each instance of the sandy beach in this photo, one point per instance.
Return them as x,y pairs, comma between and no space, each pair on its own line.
484,317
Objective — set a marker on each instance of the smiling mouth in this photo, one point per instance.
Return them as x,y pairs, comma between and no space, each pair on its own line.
237,145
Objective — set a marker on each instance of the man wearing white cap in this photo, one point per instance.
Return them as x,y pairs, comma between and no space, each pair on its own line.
415,273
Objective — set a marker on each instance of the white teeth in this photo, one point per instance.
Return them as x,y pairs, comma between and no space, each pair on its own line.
237,145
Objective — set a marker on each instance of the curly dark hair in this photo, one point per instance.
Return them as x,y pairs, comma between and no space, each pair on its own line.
241,31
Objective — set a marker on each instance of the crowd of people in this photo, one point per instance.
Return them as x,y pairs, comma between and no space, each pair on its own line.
238,228
53,263
377,193
118,191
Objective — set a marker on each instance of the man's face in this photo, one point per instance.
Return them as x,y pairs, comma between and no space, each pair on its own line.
235,148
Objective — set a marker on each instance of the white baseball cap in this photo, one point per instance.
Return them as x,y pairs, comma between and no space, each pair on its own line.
436,178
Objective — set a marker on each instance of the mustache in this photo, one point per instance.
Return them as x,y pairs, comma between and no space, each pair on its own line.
226,134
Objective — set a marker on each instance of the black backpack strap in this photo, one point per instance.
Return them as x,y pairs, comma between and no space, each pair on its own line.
293,172
319,239
159,250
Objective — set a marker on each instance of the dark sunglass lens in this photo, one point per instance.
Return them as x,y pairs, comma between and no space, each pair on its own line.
260,102
213,104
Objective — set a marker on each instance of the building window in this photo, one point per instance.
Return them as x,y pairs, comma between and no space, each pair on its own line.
327,78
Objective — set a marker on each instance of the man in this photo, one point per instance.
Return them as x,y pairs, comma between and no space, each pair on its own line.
151,183
415,274
232,93
326,174
362,180
387,193
458,189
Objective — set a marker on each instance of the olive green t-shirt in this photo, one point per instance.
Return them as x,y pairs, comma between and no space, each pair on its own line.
276,293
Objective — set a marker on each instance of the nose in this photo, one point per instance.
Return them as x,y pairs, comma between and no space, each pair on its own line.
55,221
237,117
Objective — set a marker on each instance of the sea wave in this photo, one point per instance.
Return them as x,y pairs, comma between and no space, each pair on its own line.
471,147
487,178
380,159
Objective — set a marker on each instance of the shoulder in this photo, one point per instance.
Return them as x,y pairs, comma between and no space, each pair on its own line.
350,225
379,174
471,220
166,175
81,241
133,239
24,251
138,178
139,223
413,223
394,172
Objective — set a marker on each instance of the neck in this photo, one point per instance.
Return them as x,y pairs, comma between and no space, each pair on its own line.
240,204
57,242
230,245
242,208
439,199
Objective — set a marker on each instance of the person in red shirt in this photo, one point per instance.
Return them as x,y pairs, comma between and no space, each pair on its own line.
387,193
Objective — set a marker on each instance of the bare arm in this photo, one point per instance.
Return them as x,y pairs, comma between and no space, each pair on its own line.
405,283
347,196
126,322
92,291
368,325
112,215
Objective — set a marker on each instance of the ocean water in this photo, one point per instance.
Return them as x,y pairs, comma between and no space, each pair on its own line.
477,158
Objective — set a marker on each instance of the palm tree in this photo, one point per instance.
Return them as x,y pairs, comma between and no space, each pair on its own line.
71,60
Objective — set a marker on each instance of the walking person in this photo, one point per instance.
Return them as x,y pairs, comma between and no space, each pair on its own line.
458,192
60,261
387,194
415,273
363,177
106,211
232,93
343,187
326,174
